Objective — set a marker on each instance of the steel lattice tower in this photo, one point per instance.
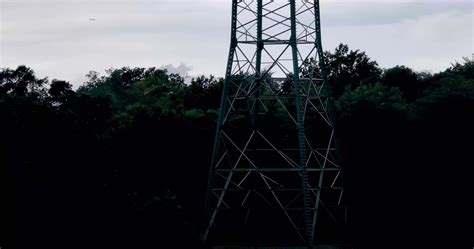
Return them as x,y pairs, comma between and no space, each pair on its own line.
272,180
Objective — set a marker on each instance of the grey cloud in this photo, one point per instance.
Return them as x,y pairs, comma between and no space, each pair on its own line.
181,69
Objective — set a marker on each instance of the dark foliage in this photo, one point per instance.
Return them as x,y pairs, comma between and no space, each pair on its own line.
349,68
123,161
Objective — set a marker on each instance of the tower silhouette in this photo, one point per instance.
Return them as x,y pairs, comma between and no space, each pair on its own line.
274,179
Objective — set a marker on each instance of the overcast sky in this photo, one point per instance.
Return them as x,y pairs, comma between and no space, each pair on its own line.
57,39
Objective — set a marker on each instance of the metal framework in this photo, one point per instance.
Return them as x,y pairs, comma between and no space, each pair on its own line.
270,177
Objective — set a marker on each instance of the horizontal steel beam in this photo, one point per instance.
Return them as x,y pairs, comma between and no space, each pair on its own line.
278,170
274,189
274,42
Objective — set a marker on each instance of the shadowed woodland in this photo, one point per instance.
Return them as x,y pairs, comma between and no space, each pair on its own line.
122,162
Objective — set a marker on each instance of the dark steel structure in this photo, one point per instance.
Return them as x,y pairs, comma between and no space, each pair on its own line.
272,182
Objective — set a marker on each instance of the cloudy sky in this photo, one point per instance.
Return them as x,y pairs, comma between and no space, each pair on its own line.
57,38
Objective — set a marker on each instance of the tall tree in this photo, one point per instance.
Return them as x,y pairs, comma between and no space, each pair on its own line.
345,68
60,91
21,82
349,68
411,84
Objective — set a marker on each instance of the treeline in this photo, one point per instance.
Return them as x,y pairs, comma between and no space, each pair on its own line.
122,161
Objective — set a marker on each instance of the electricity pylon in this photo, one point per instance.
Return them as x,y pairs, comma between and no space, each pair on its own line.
271,180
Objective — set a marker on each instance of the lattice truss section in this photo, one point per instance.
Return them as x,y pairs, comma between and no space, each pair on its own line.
263,155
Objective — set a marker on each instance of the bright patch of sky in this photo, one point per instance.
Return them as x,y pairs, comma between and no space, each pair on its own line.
58,38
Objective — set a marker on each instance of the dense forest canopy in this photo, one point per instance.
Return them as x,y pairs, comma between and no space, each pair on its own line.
123,160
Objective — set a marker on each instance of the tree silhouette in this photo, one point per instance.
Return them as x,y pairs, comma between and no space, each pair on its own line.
122,162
